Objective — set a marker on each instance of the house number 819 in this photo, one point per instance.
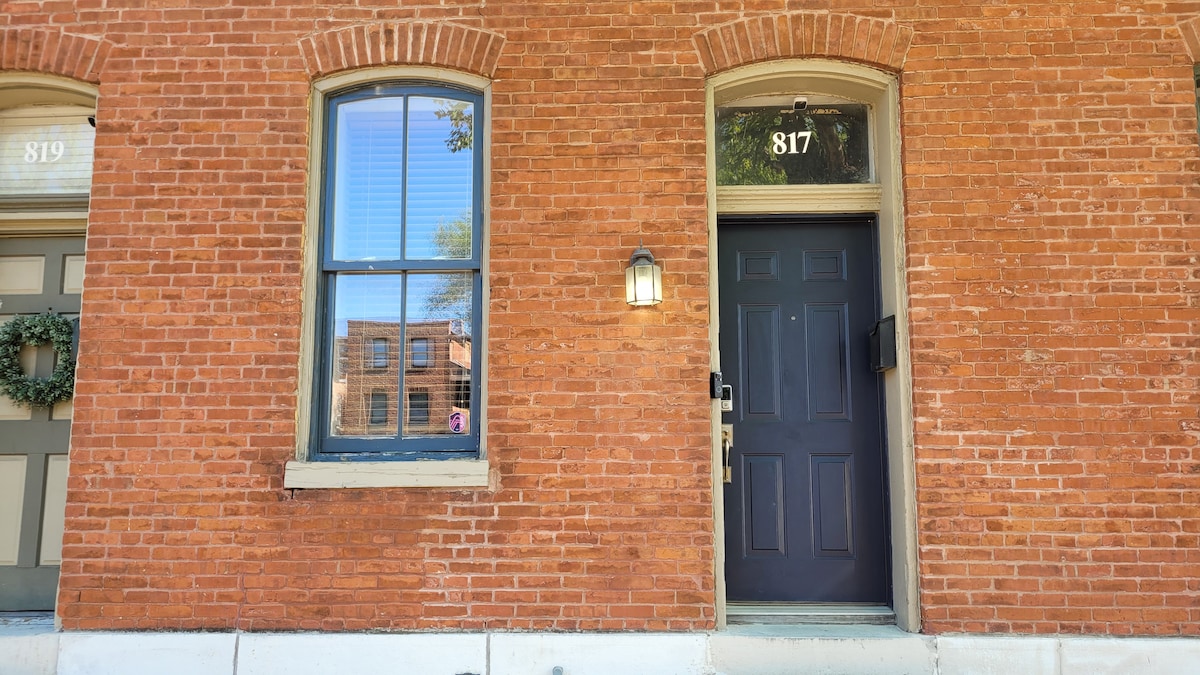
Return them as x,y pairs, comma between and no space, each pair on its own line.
786,144
44,151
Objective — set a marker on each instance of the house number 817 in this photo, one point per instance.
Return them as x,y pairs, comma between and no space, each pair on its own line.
44,151
786,144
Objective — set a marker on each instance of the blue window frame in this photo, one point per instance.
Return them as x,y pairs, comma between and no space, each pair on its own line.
400,251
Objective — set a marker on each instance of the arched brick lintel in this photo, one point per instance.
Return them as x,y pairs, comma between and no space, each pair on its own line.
79,57
876,42
427,43
1191,37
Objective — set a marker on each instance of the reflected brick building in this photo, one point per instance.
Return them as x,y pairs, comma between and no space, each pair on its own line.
437,362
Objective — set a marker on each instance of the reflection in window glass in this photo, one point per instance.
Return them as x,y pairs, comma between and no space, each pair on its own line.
775,145
418,411
379,352
367,310
368,185
439,187
420,352
437,323
462,388
379,408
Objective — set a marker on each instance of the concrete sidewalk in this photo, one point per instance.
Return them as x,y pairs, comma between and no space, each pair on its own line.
31,646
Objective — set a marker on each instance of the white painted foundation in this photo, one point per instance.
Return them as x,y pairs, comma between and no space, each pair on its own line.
36,649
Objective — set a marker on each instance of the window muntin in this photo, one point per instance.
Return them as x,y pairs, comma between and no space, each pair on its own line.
769,140
400,264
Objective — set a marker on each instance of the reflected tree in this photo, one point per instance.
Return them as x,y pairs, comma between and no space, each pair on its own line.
744,149
837,151
451,297
462,124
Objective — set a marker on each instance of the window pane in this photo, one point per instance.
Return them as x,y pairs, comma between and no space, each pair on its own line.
45,150
366,308
379,352
379,408
418,412
773,144
419,352
368,182
440,179
439,308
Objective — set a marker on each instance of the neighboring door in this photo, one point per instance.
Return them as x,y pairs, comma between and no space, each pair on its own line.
37,275
805,513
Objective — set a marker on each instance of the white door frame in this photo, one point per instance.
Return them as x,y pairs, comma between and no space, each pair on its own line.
880,90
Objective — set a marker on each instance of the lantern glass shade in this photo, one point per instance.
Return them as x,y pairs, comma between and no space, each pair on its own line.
643,281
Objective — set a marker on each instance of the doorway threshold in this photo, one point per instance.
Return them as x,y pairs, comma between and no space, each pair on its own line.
780,613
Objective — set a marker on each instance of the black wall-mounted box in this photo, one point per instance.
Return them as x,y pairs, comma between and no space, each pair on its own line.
883,344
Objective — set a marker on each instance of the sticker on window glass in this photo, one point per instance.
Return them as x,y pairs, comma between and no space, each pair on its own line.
458,422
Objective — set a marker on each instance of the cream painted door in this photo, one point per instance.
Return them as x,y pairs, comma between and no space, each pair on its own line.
37,275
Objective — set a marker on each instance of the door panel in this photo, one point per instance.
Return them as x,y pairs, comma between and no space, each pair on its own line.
759,341
764,504
37,274
805,512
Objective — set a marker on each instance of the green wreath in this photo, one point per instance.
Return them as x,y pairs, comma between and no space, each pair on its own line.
35,330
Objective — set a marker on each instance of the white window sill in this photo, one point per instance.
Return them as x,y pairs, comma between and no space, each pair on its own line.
450,473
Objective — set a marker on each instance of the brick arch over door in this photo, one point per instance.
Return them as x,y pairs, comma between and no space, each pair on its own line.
876,42
79,57
426,43
1191,37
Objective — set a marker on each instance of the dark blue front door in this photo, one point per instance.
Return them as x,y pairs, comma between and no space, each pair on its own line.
805,513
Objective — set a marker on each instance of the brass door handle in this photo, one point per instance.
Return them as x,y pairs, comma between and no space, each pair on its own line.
727,453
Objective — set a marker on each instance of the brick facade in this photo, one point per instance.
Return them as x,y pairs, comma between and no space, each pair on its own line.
1052,195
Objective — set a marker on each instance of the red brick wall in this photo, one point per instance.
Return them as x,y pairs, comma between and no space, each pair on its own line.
1053,221
1051,188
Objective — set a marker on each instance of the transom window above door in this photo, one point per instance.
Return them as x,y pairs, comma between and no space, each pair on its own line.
45,152
793,139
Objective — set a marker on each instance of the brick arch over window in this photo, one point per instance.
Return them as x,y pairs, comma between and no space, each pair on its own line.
427,43
1191,37
79,57
877,42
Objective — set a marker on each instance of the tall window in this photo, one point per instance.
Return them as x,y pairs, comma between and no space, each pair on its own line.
400,257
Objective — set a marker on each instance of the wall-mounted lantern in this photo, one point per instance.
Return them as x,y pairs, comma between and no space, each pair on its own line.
643,279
